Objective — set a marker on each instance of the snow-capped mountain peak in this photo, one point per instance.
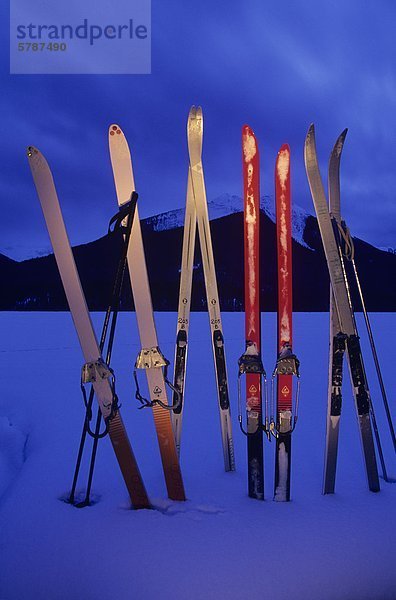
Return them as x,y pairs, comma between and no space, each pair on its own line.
227,204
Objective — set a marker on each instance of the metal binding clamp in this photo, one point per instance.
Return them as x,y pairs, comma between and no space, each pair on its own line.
93,370
152,358
250,363
287,364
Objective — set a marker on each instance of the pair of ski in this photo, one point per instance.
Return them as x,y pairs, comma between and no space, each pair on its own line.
96,370
197,215
344,336
250,363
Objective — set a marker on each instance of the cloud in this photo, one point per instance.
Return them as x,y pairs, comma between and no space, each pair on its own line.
273,65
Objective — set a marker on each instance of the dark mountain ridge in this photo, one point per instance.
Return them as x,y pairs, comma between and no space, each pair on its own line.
35,284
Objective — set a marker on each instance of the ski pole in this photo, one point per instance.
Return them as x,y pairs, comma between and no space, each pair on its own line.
113,307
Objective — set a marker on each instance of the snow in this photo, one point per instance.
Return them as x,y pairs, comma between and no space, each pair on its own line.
387,249
218,544
221,206
227,204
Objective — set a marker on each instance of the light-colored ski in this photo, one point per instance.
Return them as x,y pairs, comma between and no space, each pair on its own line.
150,357
94,363
337,340
195,137
183,314
344,310
352,276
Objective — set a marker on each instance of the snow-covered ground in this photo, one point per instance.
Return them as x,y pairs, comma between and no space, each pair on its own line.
219,544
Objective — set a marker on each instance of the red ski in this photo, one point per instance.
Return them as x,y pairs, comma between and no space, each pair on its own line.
287,363
250,363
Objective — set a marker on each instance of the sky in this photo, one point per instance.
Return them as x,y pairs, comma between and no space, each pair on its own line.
276,66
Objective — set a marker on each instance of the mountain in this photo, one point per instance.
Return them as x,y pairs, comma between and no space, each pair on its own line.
227,204
35,284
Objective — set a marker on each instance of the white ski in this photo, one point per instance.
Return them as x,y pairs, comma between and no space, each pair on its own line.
183,314
345,317
150,357
95,370
195,137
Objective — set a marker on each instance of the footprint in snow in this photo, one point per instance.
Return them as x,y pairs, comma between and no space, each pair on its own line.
169,508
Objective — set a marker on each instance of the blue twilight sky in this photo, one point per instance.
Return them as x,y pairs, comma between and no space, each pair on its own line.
277,66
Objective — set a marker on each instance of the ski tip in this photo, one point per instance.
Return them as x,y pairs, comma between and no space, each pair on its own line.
35,158
338,146
247,130
37,161
31,151
310,137
115,130
195,121
284,149
195,111
282,169
311,130
343,134
249,143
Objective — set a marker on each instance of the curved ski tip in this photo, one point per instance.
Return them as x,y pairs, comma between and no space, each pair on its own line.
282,167
338,146
249,144
285,148
247,130
195,119
343,134
31,151
115,129
310,134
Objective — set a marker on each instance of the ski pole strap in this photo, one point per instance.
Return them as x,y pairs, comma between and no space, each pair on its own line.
346,241
126,210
